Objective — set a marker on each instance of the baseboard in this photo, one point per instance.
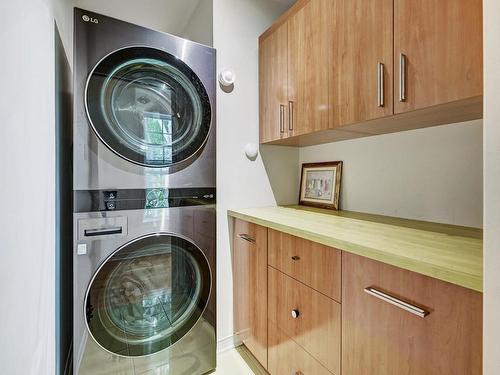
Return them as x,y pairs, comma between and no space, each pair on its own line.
228,343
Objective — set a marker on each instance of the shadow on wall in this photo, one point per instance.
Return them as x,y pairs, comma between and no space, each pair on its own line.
283,170
64,208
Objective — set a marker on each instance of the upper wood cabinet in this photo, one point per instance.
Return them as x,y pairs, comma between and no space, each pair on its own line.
335,69
361,69
273,91
309,42
293,72
250,287
383,333
438,52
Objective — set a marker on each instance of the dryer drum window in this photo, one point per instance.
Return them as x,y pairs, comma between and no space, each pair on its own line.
148,107
147,295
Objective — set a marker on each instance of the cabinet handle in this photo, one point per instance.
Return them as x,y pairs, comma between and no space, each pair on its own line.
380,84
246,237
397,302
295,257
402,77
102,231
297,373
295,313
290,115
282,118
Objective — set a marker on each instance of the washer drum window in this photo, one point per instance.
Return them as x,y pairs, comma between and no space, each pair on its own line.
147,295
148,107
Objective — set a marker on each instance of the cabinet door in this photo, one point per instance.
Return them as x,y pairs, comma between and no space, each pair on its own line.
442,43
309,42
273,91
308,317
250,287
389,340
313,264
286,357
361,69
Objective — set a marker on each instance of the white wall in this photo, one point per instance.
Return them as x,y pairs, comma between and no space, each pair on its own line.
241,182
432,174
199,28
27,165
491,187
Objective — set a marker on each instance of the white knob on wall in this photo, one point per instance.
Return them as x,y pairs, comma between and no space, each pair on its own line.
251,150
227,77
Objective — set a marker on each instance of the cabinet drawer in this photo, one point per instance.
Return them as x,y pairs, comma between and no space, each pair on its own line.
385,334
250,287
315,322
316,265
286,357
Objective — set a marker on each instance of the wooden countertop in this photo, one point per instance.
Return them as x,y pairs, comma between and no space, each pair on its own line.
445,252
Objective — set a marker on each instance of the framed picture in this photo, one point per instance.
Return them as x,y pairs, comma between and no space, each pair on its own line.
320,184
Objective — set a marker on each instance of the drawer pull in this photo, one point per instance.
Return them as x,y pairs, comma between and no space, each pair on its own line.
246,237
397,302
295,313
297,373
296,257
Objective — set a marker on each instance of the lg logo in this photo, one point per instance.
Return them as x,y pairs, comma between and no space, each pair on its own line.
89,19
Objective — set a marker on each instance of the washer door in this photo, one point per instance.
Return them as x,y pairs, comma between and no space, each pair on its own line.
147,295
148,106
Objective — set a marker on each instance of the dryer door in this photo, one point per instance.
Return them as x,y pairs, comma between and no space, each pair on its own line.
148,107
147,295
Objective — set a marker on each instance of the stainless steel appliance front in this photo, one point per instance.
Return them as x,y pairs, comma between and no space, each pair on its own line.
144,291
144,107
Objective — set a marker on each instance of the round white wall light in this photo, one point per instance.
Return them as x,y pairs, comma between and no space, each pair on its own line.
251,150
227,77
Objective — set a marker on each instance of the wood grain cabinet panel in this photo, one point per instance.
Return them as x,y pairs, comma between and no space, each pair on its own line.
362,54
288,358
309,43
442,42
379,338
250,287
316,326
273,89
316,265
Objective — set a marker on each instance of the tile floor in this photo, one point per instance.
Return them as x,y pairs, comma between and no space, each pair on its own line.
231,363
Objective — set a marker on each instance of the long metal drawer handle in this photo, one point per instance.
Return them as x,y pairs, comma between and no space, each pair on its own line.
102,231
282,118
402,77
397,302
380,84
246,237
290,115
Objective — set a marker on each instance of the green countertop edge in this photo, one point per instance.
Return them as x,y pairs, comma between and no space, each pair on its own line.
450,275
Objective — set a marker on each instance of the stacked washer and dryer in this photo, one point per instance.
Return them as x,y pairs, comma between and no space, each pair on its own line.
144,201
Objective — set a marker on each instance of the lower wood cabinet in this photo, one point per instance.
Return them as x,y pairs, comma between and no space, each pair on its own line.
288,358
250,287
315,265
332,312
309,318
382,337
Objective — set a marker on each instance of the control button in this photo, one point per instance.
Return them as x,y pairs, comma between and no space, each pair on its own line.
110,206
81,249
110,194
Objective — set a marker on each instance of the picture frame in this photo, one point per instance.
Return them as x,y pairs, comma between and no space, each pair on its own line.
320,184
